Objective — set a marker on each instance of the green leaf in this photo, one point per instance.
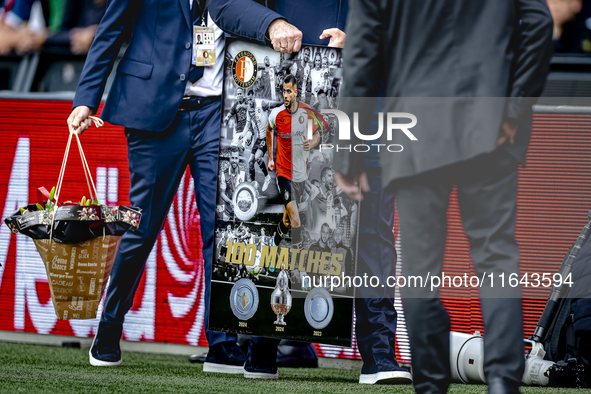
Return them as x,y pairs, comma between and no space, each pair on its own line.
22,211
95,201
40,207
52,194
88,202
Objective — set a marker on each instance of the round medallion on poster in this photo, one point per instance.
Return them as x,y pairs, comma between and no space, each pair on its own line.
244,299
245,201
318,308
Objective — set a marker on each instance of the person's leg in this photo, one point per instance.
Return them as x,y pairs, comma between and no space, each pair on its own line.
297,190
251,173
282,230
260,153
488,203
156,164
284,187
261,360
296,354
224,355
376,317
422,208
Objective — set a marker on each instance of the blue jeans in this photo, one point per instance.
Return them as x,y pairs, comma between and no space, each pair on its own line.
374,307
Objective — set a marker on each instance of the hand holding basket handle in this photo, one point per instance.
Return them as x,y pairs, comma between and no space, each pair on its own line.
80,119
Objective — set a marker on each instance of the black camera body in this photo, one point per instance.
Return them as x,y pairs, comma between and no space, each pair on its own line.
567,373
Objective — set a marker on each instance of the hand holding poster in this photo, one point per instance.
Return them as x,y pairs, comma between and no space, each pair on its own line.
284,232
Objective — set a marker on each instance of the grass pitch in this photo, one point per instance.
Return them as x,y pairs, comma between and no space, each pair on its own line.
47,369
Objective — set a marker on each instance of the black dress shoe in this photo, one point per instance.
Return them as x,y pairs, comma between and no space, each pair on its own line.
261,362
105,350
500,386
291,354
197,358
226,357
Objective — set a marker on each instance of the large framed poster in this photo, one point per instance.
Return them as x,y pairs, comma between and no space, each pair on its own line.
284,231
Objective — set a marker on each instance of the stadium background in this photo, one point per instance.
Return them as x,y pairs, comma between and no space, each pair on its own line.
554,197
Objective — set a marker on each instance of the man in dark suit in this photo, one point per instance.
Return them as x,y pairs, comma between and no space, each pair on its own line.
171,113
467,70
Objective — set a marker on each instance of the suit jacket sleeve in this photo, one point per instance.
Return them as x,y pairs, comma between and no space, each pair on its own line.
20,12
110,34
243,18
533,43
362,72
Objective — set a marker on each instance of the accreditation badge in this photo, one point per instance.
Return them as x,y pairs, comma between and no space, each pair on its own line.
203,46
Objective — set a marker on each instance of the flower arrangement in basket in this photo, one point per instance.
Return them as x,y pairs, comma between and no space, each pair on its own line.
77,242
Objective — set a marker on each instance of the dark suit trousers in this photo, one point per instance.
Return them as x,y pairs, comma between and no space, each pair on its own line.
157,161
374,307
487,192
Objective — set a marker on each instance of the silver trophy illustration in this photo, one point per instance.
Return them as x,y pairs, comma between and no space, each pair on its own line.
281,298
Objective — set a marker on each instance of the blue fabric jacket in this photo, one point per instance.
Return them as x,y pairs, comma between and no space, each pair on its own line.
151,77
22,9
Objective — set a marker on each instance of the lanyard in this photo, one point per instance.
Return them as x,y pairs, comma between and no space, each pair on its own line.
197,3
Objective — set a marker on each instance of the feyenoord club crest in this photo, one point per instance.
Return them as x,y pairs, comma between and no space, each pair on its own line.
244,69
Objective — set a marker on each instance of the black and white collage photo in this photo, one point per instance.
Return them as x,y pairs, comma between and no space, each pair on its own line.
251,200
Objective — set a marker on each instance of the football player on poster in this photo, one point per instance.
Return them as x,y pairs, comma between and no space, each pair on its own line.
293,147
246,120
260,145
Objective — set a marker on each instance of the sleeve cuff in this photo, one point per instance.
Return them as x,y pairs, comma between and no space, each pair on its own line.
516,107
268,22
13,20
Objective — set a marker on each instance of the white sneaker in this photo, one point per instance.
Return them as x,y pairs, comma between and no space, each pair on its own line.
111,355
95,362
267,181
224,357
254,374
386,377
222,368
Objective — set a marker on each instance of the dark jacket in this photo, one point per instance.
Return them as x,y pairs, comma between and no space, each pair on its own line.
449,51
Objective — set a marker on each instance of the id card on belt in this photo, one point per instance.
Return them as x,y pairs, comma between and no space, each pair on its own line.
203,46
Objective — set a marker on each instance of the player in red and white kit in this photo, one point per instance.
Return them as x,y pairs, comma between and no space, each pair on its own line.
293,147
